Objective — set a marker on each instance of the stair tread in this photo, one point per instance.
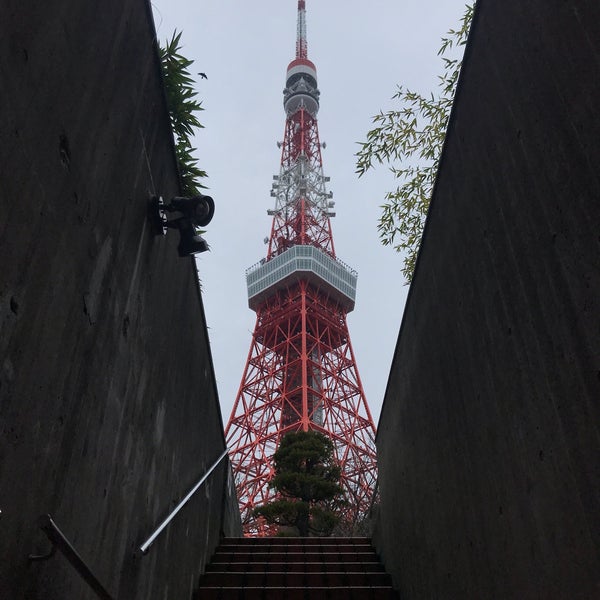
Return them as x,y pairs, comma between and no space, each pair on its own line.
257,566
294,557
297,587
297,593
284,571
294,553
314,554
308,547
292,579
298,540
287,549
311,550
287,562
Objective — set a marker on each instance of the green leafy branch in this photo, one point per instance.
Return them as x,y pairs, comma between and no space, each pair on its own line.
410,140
183,110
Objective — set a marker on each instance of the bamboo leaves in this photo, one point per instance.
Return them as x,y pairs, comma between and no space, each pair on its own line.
409,140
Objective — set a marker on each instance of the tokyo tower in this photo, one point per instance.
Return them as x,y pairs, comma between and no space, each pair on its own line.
301,373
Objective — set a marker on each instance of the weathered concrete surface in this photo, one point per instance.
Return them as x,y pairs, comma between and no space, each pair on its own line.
489,436
108,404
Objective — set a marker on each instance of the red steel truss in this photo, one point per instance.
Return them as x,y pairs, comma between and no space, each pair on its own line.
301,372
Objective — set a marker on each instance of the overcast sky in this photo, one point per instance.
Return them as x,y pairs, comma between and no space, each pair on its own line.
361,51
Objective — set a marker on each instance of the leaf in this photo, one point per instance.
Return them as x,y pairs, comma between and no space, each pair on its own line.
183,109
409,139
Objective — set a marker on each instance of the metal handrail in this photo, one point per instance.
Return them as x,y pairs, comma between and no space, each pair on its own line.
144,547
58,539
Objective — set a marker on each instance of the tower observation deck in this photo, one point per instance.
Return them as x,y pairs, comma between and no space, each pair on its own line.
301,372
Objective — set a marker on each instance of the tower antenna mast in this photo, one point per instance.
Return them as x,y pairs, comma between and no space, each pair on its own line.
301,45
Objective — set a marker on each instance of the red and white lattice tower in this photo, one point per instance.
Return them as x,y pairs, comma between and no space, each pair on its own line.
301,373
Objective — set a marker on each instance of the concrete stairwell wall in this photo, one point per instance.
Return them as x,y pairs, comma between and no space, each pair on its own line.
488,441
108,403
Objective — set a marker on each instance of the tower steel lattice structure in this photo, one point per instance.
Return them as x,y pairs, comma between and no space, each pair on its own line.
301,372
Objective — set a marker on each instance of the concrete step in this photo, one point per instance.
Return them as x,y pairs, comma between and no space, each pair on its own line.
295,579
249,556
308,541
275,547
290,593
315,546
302,567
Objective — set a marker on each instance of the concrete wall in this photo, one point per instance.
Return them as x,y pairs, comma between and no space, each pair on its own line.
489,436
108,405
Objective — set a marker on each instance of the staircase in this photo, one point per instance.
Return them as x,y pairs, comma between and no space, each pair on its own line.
295,569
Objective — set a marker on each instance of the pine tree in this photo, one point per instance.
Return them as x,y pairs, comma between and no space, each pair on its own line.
307,480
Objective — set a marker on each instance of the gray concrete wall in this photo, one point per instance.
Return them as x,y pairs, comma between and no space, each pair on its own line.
488,441
108,404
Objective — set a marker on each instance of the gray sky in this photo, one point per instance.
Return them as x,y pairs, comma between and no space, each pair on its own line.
361,51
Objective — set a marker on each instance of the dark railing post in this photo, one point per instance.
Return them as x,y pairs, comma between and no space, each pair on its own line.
58,540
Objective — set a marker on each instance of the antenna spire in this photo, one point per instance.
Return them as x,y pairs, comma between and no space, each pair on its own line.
301,45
